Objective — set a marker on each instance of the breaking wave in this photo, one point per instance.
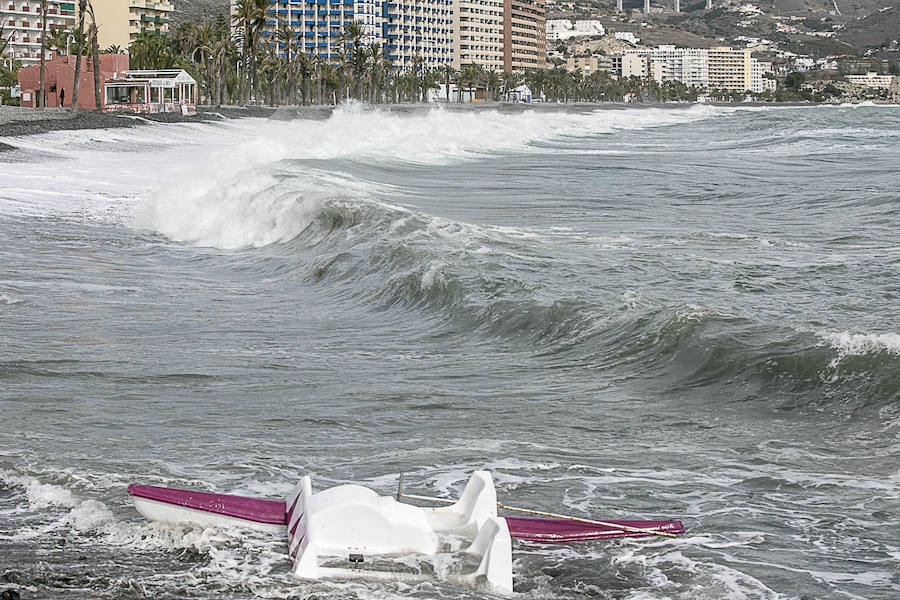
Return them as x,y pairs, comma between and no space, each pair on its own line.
478,279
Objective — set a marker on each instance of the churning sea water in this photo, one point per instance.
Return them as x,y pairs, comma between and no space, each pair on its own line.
686,313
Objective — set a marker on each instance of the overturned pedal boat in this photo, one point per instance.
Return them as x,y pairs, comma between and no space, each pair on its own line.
349,531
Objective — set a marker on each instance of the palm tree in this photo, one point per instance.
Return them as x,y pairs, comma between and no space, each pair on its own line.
492,83
418,77
260,9
352,37
448,72
82,7
284,37
469,77
113,49
250,16
43,98
305,68
537,81
510,81
95,51
152,50
58,38
4,40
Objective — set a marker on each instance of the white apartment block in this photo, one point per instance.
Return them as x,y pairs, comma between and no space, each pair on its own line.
556,28
563,29
22,24
730,69
410,32
635,65
872,80
758,80
627,36
479,34
668,63
721,68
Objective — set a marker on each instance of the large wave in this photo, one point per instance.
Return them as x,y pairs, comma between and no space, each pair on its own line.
481,281
252,183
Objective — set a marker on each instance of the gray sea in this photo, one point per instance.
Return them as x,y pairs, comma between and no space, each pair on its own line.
688,312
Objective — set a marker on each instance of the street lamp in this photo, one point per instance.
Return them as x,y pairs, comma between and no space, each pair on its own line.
69,40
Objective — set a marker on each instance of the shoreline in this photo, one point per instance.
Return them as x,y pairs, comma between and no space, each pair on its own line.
17,122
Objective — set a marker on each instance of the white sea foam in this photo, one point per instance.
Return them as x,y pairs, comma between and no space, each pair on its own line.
197,183
40,495
7,299
858,344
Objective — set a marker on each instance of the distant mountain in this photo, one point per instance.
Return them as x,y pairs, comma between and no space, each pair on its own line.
197,11
874,30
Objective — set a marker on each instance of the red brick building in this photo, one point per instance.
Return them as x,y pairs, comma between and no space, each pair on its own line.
59,79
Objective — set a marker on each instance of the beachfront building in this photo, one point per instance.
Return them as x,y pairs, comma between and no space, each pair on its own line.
59,79
410,32
120,21
730,69
719,68
586,63
635,65
149,92
524,35
668,63
479,34
22,25
873,80
759,81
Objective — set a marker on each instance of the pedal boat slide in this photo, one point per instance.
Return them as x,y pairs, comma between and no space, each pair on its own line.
349,531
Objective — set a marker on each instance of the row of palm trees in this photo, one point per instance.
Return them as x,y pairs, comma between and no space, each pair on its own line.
262,67
85,42
242,61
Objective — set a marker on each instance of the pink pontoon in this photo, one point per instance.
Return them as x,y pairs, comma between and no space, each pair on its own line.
350,531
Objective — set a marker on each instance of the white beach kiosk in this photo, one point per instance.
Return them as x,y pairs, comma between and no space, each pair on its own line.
169,90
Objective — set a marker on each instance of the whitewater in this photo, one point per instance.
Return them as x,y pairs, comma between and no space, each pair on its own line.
686,312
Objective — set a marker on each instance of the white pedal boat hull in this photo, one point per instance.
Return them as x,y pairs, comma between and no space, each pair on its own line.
353,525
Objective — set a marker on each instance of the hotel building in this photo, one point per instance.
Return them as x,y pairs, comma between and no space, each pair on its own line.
479,34
873,80
524,35
22,24
120,21
730,69
758,80
715,68
407,31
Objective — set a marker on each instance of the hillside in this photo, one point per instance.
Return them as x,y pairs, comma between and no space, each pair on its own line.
799,26
197,11
868,23
875,30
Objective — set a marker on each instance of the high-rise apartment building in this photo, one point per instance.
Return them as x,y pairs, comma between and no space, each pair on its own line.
524,35
730,69
22,24
716,68
409,32
635,65
758,80
668,63
479,34
120,21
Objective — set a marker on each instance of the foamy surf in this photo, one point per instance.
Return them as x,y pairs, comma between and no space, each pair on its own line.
622,318
858,344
